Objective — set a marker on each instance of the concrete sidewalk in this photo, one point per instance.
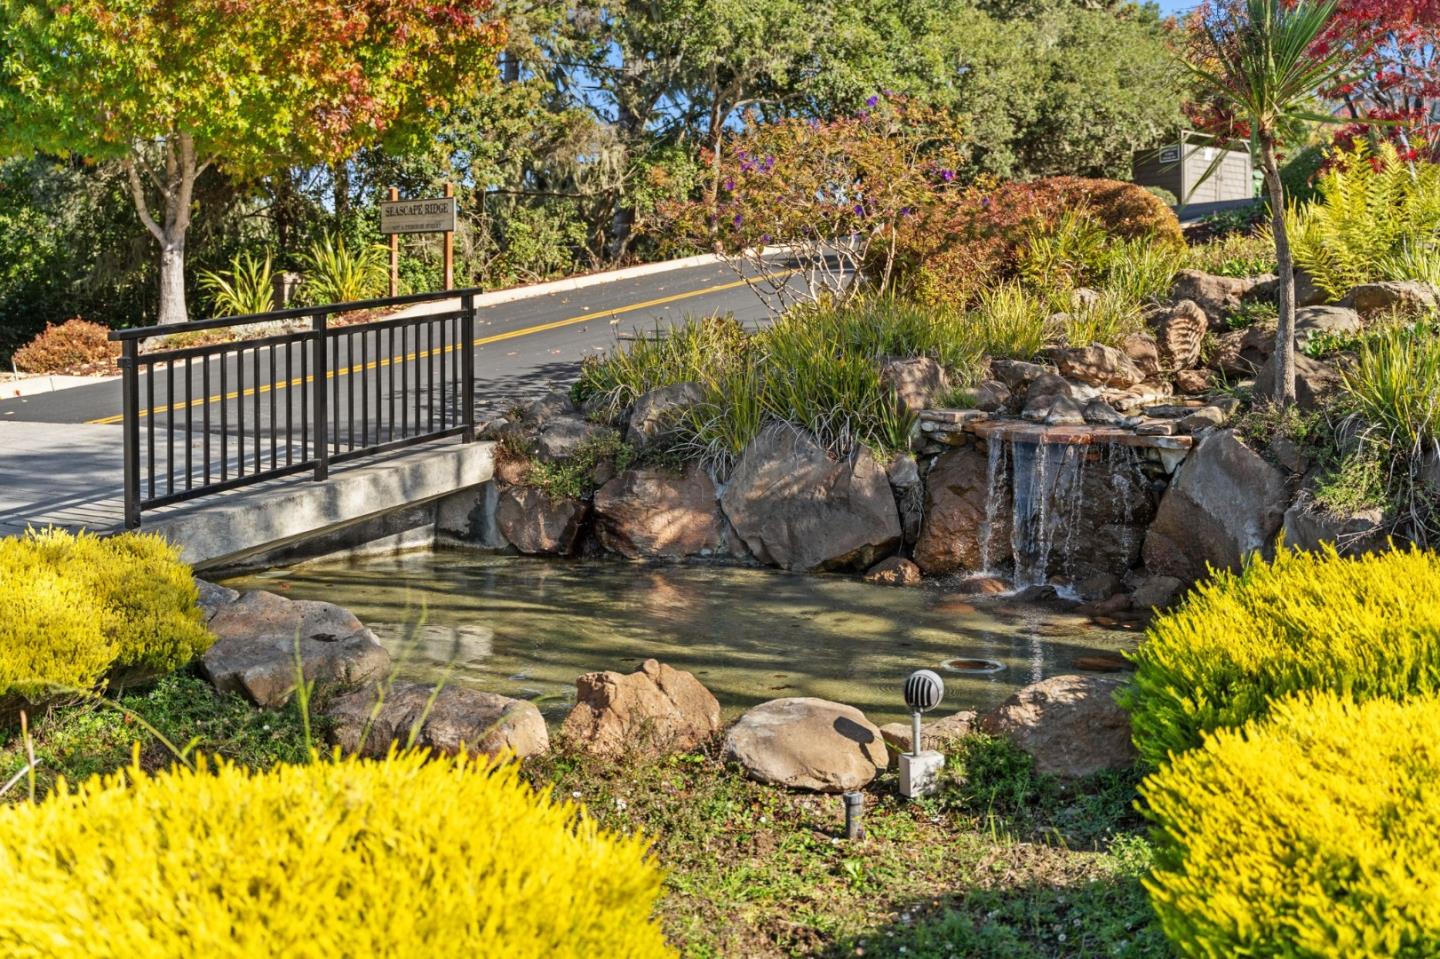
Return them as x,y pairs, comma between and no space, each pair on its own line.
55,474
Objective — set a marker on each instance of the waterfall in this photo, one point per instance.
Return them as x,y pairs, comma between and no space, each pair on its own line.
1047,500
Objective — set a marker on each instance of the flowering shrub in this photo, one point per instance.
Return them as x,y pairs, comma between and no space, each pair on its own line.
76,346
836,191
399,857
1311,833
74,607
971,239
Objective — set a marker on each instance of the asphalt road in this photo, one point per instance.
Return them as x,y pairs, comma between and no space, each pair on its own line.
525,348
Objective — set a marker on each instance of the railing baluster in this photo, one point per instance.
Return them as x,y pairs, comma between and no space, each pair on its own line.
443,358
350,389
390,421
430,376
362,370
322,412
255,392
224,417
289,405
405,337
240,433
169,428
130,418
205,413
274,385
189,428
467,364
304,400
150,423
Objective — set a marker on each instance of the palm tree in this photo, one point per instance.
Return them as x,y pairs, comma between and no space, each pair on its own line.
1265,61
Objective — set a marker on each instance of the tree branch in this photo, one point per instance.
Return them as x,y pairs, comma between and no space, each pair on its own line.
137,191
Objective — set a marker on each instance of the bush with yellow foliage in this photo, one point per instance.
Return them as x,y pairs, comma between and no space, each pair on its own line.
76,608
1311,833
406,856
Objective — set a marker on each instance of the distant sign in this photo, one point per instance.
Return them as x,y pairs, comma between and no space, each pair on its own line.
1170,155
418,216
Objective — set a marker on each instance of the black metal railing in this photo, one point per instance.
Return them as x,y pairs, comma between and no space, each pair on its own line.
215,416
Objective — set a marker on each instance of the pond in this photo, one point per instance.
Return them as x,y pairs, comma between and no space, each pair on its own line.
528,627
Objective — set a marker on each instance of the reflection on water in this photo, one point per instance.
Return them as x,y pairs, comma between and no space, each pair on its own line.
527,628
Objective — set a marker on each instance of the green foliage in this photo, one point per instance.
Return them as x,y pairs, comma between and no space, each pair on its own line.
1394,385
1107,318
1309,834
1360,480
1234,254
1373,216
75,608
575,476
247,287
1010,322
336,272
1262,313
1368,627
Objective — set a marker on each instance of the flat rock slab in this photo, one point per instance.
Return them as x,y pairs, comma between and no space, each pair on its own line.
1071,725
445,721
806,743
934,733
654,710
259,634
1018,431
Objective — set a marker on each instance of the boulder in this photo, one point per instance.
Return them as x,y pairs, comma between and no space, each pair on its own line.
934,733
1179,335
653,512
213,598
538,524
1071,725
1312,321
1204,418
1216,296
1243,352
1048,384
1307,293
904,476
895,571
562,437
445,721
1100,413
652,711
1407,295
919,382
1224,503
991,396
956,532
258,636
1054,410
1192,381
1315,381
797,509
1100,365
1143,351
1156,592
1352,533
806,743
655,414
1017,375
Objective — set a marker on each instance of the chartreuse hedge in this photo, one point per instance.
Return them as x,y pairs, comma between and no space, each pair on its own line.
75,607
1367,627
1310,833
407,856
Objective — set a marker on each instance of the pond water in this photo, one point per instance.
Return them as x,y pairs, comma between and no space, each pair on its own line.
528,627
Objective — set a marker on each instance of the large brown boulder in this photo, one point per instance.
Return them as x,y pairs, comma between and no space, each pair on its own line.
1243,352
1100,365
1224,503
1409,295
654,710
956,529
1071,725
1314,321
806,743
367,721
660,513
796,508
538,524
1143,351
1315,382
259,635
1217,296
656,414
1352,532
918,382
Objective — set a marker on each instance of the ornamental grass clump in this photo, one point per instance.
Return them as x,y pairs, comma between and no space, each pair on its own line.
407,856
1311,833
1368,627
77,608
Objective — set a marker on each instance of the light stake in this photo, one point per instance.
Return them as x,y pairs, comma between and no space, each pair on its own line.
920,769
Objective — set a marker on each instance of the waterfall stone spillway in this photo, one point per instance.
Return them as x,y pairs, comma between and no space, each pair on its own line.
1062,511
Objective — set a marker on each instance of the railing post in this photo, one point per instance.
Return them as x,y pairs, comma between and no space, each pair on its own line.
322,407
130,416
467,364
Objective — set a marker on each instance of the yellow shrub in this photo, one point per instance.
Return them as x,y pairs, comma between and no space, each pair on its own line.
1367,627
399,857
74,607
1310,834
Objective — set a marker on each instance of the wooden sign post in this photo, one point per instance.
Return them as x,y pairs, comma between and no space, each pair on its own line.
435,215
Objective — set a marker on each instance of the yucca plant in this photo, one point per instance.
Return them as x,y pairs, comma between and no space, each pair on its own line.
247,287
1265,60
335,272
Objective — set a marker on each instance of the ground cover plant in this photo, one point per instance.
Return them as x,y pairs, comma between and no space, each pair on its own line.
76,346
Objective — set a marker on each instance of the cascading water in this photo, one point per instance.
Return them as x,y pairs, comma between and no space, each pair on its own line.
1055,495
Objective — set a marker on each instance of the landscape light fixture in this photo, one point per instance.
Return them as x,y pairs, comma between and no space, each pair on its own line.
920,768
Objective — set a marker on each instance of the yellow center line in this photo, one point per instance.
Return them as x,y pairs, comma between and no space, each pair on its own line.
426,354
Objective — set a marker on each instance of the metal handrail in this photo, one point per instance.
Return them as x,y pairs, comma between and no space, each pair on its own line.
433,352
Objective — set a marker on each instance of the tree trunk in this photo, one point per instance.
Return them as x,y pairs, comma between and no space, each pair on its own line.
1285,328
176,186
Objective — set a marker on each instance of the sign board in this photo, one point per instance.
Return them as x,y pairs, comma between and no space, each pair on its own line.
418,216
1167,155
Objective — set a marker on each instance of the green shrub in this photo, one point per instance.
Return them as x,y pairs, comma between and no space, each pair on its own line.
1309,834
1374,206
1010,322
1368,627
76,607
1234,254
406,856
1108,319
247,287
336,272
1394,385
